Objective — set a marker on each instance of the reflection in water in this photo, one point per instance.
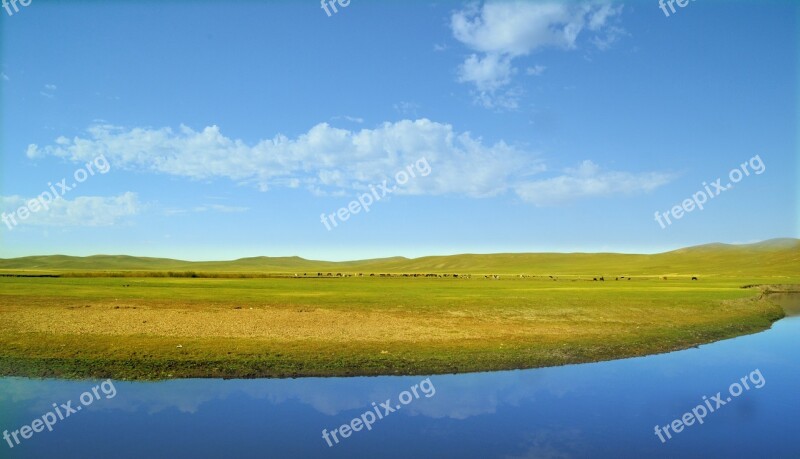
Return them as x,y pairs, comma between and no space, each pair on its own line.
790,302
596,410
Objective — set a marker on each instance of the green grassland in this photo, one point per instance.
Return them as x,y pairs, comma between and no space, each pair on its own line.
146,325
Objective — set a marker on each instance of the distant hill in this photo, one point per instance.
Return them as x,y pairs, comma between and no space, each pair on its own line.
772,257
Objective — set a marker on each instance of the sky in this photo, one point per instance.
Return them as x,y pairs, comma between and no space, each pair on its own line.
220,130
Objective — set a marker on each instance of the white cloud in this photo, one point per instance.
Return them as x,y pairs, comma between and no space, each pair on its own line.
207,208
407,108
536,70
81,211
332,161
507,99
516,28
501,31
488,73
223,208
589,180
604,42
48,91
599,17
352,119
324,159
33,151
4,76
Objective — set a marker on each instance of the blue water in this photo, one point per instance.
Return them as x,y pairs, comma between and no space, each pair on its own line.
604,410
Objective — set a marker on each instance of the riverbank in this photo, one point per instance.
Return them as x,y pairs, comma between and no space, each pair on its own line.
153,329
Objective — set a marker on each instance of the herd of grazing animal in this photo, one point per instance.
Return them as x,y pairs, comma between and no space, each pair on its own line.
456,276
432,275
437,275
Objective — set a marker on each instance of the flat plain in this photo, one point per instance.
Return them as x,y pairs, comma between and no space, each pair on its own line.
502,312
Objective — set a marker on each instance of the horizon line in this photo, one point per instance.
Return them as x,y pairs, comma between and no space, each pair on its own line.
762,242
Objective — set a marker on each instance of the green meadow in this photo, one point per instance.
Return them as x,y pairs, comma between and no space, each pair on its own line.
139,318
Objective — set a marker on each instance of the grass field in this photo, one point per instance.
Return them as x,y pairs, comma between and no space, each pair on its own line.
161,327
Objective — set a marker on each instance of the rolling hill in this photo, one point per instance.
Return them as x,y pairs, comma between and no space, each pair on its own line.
772,257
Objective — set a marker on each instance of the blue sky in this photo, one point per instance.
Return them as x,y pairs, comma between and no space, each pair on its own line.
229,128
